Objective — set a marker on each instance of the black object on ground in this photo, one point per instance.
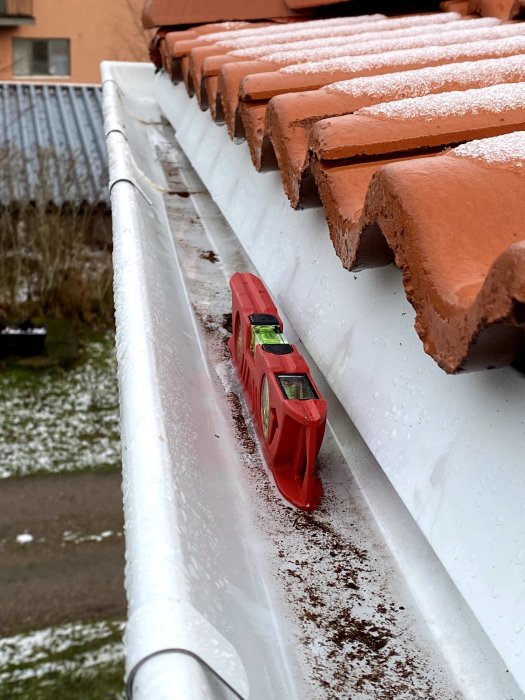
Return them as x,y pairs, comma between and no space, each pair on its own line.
22,339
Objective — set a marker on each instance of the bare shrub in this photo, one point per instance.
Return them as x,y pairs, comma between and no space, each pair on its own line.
55,247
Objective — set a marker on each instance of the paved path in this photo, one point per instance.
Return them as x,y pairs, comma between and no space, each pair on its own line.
69,571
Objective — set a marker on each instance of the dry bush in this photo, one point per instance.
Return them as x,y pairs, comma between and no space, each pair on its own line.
55,249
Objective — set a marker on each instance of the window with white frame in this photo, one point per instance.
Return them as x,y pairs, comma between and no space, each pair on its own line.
33,57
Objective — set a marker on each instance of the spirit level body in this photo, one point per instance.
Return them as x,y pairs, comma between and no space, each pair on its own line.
287,407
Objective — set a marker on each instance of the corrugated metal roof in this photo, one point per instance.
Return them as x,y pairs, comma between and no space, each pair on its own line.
52,144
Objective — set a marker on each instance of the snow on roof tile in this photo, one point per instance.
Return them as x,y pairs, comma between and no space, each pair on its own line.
424,39
369,36
507,151
408,56
414,83
314,25
290,118
497,98
272,36
328,28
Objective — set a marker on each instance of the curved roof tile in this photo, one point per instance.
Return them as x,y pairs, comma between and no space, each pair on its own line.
462,258
359,116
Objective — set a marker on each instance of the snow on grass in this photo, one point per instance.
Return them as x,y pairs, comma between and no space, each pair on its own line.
61,420
78,538
67,650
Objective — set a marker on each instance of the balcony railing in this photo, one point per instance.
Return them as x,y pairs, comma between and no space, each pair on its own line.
14,9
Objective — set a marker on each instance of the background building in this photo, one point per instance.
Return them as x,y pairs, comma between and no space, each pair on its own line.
65,40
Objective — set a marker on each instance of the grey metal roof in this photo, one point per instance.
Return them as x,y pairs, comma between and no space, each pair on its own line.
52,144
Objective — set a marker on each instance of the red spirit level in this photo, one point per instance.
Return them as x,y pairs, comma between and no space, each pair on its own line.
288,409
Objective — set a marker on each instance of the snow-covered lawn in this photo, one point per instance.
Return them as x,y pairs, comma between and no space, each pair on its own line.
58,657
61,419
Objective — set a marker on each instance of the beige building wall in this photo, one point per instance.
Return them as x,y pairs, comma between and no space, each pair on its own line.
97,30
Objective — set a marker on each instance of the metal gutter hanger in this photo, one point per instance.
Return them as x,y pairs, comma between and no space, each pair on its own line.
175,628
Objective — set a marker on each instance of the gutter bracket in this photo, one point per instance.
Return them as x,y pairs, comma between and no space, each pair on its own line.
131,181
178,628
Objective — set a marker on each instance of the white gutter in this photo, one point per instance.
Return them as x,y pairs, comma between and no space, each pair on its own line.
199,594
452,446
168,640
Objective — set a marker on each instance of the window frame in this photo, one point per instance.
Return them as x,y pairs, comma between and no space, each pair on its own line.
31,41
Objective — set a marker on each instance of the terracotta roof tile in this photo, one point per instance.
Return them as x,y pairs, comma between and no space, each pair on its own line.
160,13
458,32
264,42
298,78
384,60
290,118
302,4
180,43
203,31
463,259
344,151
317,48
272,38
260,35
176,45
357,115
253,120
505,9
461,6
346,38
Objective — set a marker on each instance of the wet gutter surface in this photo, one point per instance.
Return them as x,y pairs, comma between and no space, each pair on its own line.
357,631
221,548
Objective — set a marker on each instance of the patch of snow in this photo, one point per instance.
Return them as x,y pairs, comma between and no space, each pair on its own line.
283,28
346,25
407,57
24,538
33,655
493,99
233,25
347,39
61,420
427,38
506,151
77,538
415,83
14,330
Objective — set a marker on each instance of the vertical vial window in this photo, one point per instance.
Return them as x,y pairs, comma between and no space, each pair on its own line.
265,407
296,386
